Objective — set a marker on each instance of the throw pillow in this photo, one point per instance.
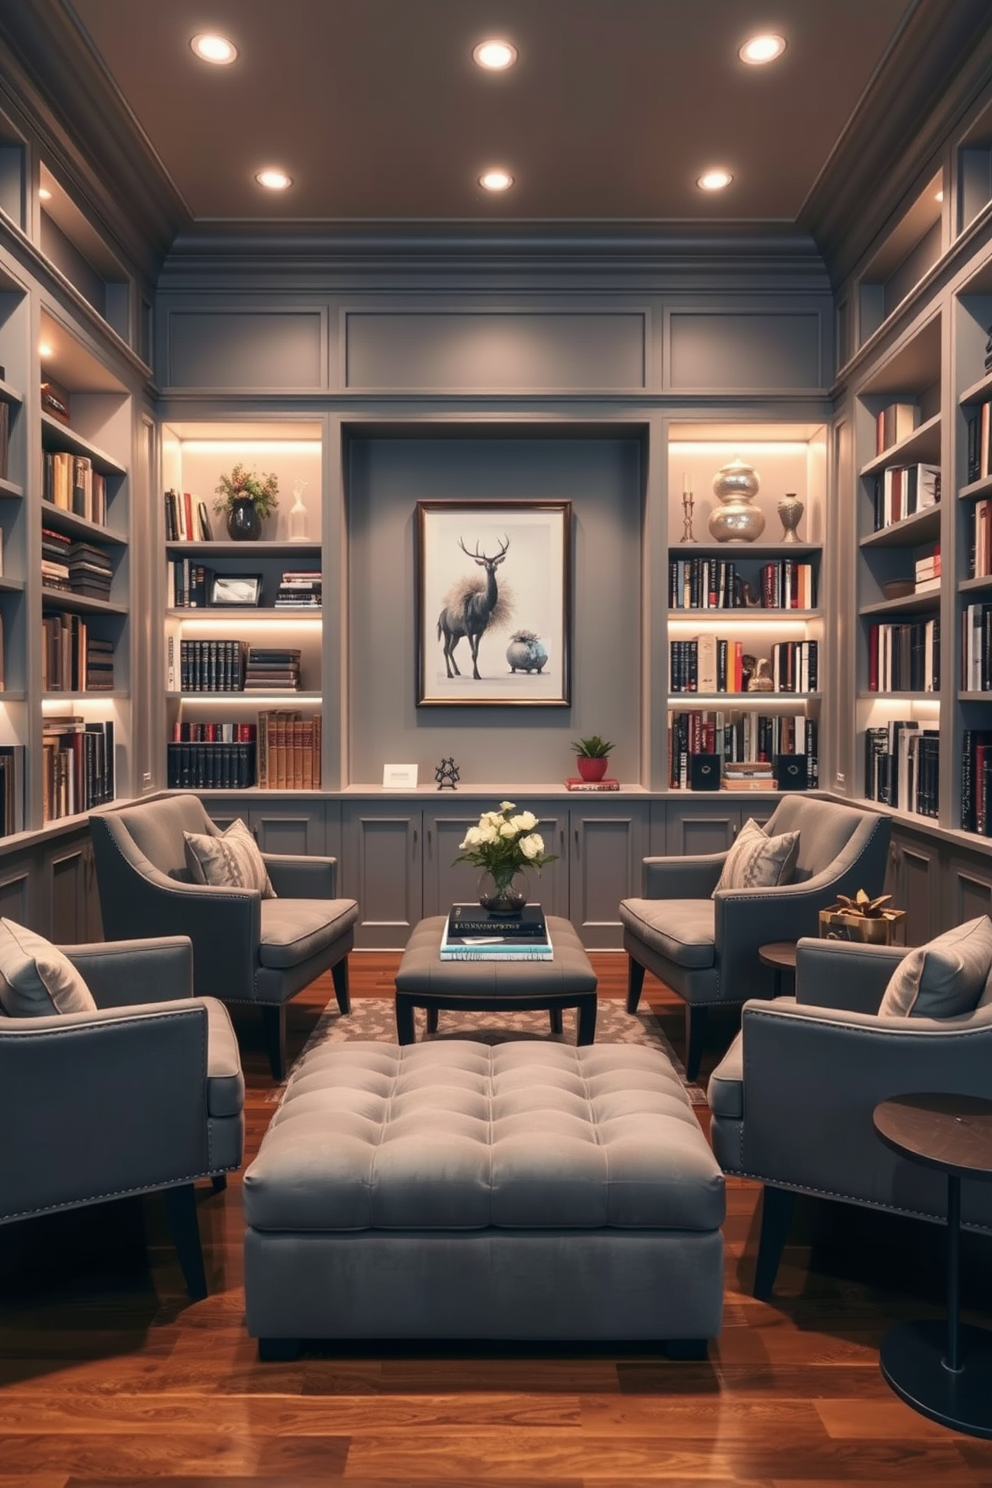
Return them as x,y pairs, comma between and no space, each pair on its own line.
943,978
757,861
36,978
230,861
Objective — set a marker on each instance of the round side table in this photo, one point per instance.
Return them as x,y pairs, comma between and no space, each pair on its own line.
780,955
942,1369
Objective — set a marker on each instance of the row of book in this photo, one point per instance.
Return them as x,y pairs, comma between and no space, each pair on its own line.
715,584
288,753
710,664
978,441
902,763
976,781
11,789
70,483
73,660
77,765
214,766
894,423
976,648
206,666
904,656
980,539
738,737
186,518
903,490
75,567
188,585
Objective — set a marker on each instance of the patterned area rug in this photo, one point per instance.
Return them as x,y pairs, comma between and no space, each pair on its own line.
372,1020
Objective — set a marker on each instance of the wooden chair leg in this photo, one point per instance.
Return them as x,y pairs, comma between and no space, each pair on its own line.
635,981
274,1028
180,1206
695,1037
777,1205
339,975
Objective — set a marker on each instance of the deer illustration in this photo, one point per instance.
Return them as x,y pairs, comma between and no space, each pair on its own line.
470,609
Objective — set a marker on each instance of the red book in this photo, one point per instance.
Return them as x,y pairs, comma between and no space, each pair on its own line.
574,783
188,519
873,659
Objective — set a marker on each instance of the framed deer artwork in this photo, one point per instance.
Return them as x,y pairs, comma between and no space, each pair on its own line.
493,603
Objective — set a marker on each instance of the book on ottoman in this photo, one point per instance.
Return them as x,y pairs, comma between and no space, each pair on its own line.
516,939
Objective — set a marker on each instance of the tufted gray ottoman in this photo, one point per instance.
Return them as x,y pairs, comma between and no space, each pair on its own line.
457,1190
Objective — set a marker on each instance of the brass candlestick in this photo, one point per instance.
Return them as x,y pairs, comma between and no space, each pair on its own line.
687,505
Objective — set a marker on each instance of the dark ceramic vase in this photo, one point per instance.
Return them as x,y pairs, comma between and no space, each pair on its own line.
243,522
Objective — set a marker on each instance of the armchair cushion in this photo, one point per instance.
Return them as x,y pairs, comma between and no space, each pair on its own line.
230,860
679,929
36,978
944,978
293,930
757,861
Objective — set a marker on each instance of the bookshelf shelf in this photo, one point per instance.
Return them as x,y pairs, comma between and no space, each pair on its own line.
58,436
80,528
911,604
11,490
64,599
923,445
921,527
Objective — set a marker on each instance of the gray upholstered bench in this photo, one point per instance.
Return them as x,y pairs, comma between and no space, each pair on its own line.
454,1190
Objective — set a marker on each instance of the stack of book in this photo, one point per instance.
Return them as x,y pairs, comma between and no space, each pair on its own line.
99,665
91,572
77,765
300,589
55,559
927,572
207,756
289,748
752,775
272,669
472,934
576,783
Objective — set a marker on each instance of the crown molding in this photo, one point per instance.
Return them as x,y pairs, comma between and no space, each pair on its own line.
778,257
934,69
62,95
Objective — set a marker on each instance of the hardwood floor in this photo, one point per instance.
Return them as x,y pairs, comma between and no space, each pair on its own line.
108,1374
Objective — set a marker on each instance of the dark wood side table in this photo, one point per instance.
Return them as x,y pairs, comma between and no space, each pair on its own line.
780,955
942,1369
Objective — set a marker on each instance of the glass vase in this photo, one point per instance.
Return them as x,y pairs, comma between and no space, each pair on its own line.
503,892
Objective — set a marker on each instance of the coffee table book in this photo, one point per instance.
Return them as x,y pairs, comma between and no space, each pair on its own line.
495,947
472,919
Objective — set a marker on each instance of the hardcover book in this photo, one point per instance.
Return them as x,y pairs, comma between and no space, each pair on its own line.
472,919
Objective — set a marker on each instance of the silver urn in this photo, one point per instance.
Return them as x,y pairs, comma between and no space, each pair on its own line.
736,519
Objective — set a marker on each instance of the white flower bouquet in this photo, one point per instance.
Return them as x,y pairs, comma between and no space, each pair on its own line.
503,843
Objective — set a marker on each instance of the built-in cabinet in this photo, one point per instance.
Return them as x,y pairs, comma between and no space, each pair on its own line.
399,862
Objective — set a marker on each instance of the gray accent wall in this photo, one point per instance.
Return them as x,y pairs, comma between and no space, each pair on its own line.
386,477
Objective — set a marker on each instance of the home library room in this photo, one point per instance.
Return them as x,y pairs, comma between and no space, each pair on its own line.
746,653
243,616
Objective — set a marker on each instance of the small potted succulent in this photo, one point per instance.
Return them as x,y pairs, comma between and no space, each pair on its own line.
246,498
592,756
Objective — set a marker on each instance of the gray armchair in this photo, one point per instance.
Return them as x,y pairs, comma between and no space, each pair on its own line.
246,949
792,1099
145,1093
706,948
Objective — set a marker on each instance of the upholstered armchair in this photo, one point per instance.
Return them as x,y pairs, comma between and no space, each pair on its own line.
246,948
792,1099
703,941
138,1090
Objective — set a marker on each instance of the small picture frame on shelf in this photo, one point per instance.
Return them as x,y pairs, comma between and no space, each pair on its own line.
241,590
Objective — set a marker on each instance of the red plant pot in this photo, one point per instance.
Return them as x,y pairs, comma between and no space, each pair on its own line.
591,769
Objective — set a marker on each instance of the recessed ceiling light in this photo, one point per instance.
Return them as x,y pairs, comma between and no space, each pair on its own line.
496,180
44,350
938,196
714,180
273,179
44,193
495,54
212,48
760,49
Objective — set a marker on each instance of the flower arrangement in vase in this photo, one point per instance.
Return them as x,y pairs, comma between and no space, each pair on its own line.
502,845
246,498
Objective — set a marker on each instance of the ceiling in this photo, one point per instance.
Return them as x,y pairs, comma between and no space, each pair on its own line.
377,111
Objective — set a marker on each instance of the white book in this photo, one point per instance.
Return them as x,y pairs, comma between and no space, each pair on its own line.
706,663
495,947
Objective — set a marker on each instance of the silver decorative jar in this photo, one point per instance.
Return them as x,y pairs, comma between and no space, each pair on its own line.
790,509
735,486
